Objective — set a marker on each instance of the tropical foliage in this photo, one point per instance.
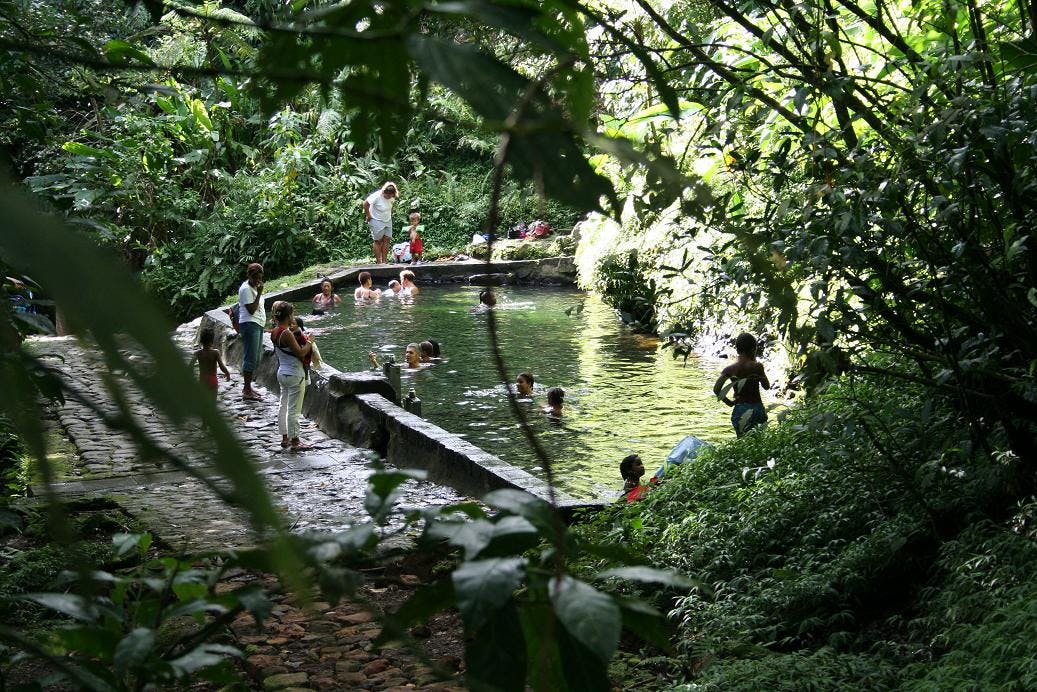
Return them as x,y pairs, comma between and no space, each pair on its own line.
858,176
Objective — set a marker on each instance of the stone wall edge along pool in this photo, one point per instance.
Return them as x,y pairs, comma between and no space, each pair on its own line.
360,408
559,271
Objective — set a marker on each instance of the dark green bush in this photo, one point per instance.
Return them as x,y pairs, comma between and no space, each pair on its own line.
824,540
624,282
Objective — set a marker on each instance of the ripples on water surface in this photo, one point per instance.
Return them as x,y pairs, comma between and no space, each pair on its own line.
623,393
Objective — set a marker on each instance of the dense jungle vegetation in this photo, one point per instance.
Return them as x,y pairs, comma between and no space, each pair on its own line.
855,181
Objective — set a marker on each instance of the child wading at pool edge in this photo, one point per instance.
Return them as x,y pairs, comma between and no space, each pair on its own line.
747,376
208,359
631,469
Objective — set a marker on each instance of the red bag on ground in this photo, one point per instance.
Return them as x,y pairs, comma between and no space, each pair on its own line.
539,229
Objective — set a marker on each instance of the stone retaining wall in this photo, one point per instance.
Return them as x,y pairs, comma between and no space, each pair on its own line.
362,409
557,271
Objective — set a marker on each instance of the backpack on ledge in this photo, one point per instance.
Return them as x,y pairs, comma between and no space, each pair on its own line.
232,313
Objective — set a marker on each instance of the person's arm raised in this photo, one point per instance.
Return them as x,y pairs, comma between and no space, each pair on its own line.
254,305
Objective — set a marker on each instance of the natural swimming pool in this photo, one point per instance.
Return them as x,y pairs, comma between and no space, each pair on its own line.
623,393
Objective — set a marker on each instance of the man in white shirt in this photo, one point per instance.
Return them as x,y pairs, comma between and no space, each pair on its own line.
251,321
378,212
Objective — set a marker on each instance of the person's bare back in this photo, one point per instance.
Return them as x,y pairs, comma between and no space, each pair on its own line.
207,359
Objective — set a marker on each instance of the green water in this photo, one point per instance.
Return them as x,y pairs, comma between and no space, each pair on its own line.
623,392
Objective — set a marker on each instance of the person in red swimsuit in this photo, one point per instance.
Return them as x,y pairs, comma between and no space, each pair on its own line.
632,468
208,359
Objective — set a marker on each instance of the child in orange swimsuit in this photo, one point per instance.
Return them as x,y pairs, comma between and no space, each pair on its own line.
208,359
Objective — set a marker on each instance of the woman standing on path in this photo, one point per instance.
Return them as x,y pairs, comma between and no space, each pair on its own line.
251,320
291,374
378,212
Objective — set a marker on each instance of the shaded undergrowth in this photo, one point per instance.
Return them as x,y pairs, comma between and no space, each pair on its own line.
853,544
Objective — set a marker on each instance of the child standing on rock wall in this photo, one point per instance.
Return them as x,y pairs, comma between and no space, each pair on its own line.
747,376
208,359
414,231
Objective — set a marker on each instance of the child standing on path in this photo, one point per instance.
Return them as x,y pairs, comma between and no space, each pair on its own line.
747,376
414,231
208,359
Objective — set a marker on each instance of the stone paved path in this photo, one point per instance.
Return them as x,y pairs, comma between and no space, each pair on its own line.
319,489
321,647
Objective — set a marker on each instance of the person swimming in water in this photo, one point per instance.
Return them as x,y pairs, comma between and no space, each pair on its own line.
411,358
524,384
430,351
364,290
555,401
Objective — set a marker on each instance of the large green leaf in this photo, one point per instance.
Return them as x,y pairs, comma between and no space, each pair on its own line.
101,301
473,536
511,536
583,670
496,655
484,586
73,605
535,510
133,650
80,149
489,86
589,616
518,20
424,602
650,575
543,632
83,679
203,656
646,622
119,51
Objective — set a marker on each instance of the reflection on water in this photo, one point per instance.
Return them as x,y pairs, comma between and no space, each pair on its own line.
623,393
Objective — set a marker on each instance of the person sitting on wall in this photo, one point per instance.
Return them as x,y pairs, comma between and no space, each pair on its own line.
364,291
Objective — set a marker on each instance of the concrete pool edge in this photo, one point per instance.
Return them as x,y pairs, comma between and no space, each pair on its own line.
551,270
361,408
